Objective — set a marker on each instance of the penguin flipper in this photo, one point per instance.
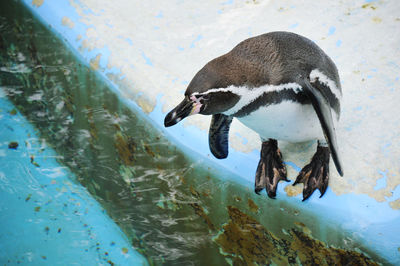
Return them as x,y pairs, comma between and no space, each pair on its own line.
324,113
218,135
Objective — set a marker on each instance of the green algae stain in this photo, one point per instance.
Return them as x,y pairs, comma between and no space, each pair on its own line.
127,174
167,204
246,242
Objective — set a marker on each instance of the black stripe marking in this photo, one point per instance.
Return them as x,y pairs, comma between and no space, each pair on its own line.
270,98
327,92
276,97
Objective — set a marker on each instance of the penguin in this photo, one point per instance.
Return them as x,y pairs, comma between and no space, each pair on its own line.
282,86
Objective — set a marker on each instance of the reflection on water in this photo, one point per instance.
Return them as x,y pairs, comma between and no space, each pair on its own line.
173,209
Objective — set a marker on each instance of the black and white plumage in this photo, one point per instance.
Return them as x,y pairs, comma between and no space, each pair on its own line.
282,86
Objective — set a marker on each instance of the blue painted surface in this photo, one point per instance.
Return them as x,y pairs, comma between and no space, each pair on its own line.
293,165
147,59
381,183
197,39
332,30
47,218
159,15
228,2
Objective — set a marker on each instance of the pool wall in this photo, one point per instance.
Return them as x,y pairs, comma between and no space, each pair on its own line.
47,217
149,51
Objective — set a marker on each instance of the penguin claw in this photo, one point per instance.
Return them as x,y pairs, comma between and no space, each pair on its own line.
315,175
270,169
258,190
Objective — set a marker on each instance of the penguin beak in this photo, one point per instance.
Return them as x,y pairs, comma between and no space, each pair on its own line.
189,106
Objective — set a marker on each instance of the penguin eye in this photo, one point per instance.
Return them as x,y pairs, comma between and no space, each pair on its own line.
205,96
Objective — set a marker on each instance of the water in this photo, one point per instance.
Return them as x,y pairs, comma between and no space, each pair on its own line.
173,209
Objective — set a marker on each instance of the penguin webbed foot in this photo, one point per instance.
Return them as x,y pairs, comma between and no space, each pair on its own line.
315,175
270,169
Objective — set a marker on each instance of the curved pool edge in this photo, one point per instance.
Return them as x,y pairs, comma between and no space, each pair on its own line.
370,220
47,217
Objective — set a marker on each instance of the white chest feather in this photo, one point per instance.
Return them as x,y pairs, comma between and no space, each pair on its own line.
288,121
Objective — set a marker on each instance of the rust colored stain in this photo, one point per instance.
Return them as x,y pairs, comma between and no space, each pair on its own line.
252,205
126,148
200,212
246,242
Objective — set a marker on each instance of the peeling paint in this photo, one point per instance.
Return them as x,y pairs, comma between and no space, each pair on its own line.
37,3
95,62
395,204
293,191
66,21
146,105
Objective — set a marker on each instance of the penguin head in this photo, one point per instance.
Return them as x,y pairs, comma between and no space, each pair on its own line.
206,95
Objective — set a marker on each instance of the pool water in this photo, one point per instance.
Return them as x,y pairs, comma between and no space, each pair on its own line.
46,217
174,210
